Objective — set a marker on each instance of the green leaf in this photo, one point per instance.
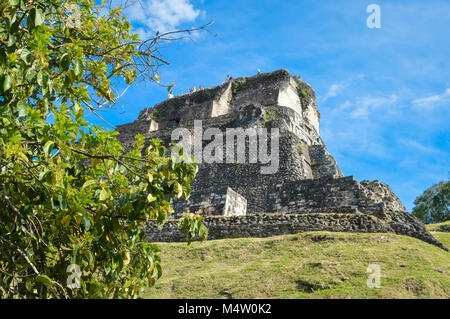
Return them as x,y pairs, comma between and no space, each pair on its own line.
159,269
22,107
43,78
151,198
74,254
47,147
104,194
78,67
64,62
26,56
65,152
43,279
7,82
107,269
202,231
43,174
30,75
178,189
89,183
14,2
65,221
29,284
39,17
87,222
78,108
11,40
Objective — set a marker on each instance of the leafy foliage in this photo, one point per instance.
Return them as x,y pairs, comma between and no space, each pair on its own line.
304,93
69,193
433,205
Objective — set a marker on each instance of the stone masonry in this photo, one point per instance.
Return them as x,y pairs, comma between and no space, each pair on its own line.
307,192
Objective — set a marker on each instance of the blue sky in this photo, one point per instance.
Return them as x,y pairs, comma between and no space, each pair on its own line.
383,94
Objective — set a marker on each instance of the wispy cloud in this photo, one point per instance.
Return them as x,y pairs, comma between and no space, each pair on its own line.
363,107
161,15
432,101
418,147
335,89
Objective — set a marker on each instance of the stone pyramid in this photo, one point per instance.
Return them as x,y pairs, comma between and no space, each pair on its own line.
296,186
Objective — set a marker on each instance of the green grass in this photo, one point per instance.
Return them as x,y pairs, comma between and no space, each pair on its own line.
443,237
306,265
435,227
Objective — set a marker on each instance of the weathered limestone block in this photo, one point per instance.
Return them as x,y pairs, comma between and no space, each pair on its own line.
378,192
334,192
235,204
322,163
221,201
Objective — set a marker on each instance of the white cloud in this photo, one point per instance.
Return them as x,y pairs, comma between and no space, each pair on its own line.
347,104
338,87
418,147
365,106
161,15
334,90
432,101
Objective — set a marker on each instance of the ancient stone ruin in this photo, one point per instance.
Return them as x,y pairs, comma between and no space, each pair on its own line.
300,189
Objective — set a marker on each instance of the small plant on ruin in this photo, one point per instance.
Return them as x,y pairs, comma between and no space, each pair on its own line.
301,147
269,115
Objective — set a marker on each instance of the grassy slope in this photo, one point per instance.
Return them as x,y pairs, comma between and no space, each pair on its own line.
306,265
443,237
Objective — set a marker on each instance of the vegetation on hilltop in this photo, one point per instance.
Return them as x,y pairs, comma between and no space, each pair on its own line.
433,205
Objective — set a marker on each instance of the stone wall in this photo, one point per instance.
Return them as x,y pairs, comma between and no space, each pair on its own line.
341,219
444,228
265,225
322,163
332,192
